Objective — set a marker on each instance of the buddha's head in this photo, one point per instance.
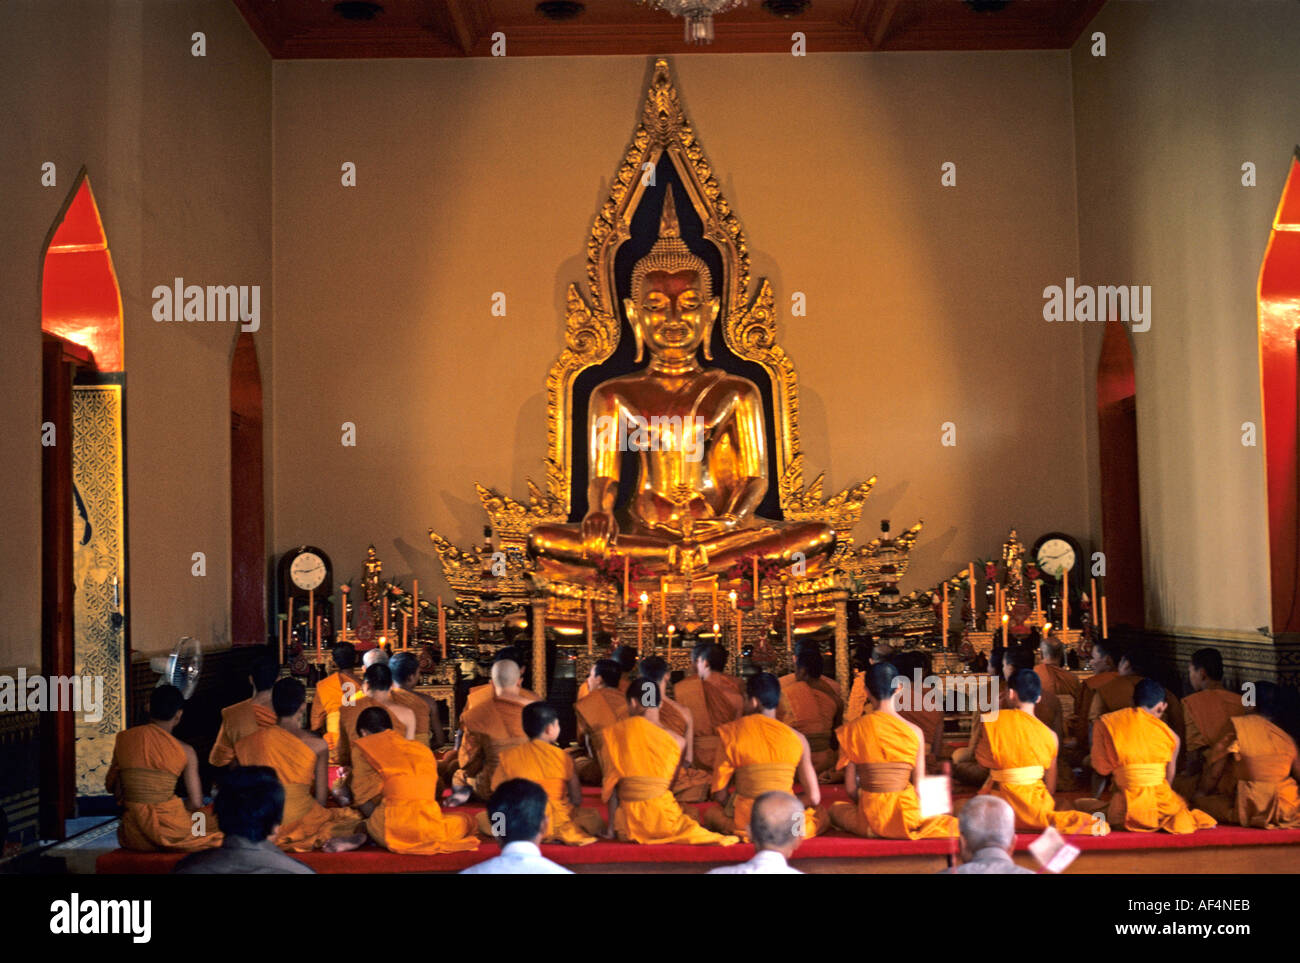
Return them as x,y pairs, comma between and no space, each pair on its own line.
672,308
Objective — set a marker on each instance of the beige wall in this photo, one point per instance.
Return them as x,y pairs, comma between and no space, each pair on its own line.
483,175
1186,94
178,152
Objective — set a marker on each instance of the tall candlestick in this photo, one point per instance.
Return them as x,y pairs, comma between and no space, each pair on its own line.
973,612
1065,600
311,608
663,600
1005,620
343,619
789,622
1105,634
385,604
1038,595
284,623
627,564
591,638
415,589
640,619
731,596
406,622
318,618
715,600
442,628
755,579
943,631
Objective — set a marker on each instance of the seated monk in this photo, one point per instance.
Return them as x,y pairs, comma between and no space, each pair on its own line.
712,699
639,758
603,706
625,657
1118,692
1020,753
405,668
1207,720
815,710
1056,678
864,657
485,692
395,784
883,756
300,762
923,713
1263,754
541,761
1141,752
332,693
691,784
376,690
147,762
1105,659
489,729
760,754
245,718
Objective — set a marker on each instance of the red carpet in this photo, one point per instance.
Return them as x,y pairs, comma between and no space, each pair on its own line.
834,845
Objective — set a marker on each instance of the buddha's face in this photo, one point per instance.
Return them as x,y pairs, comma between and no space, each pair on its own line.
673,315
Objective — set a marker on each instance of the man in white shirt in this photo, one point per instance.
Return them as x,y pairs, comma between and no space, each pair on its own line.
517,815
988,838
776,826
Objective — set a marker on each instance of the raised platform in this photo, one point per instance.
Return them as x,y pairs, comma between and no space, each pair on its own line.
1225,849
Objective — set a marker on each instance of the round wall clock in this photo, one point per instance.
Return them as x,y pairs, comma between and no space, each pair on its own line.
1056,553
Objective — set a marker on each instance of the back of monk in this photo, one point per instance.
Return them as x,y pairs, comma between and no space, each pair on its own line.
692,783
858,705
638,759
712,703
348,717
1017,748
1265,795
1048,711
485,693
930,722
491,728
237,721
884,747
306,824
1059,681
147,761
1082,722
551,768
761,755
1118,694
1208,715
812,712
331,692
408,819
1136,747
596,712
585,690
422,709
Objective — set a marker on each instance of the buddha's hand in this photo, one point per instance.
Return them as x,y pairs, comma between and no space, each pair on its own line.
598,528
713,527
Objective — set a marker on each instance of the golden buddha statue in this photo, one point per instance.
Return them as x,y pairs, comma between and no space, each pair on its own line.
700,439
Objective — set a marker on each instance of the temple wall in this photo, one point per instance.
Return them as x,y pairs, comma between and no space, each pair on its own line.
178,152
482,176
1186,94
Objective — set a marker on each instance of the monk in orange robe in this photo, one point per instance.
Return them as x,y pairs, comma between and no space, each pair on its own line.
485,693
603,706
405,668
147,762
376,691
541,761
865,655
1020,753
922,705
332,693
639,758
1104,653
245,718
883,756
814,711
1118,692
1207,719
1141,751
691,784
395,785
760,754
625,657
713,701
1266,765
1056,678
490,728
300,762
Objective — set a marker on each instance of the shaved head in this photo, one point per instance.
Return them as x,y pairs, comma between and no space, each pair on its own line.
777,821
505,674
374,656
987,821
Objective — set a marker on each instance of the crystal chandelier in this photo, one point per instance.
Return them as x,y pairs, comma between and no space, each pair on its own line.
697,15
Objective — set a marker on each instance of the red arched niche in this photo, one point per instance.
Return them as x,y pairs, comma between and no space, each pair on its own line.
1121,514
80,301
247,519
1279,316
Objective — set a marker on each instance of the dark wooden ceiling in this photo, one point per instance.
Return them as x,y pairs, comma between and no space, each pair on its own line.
464,28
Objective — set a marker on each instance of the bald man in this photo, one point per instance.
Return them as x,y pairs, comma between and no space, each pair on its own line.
376,656
376,690
988,838
490,728
774,826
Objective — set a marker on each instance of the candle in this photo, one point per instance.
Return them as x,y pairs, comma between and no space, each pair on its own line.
385,604
318,618
442,628
311,608
640,619
972,591
755,579
1038,595
406,621
944,631
343,622
715,631
715,601
789,622
732,596
591,639
415,589
627,564
1104,633
1065,600
284,624
1005,619
663,599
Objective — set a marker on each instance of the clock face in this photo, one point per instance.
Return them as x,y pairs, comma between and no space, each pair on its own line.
1055,556
307,571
